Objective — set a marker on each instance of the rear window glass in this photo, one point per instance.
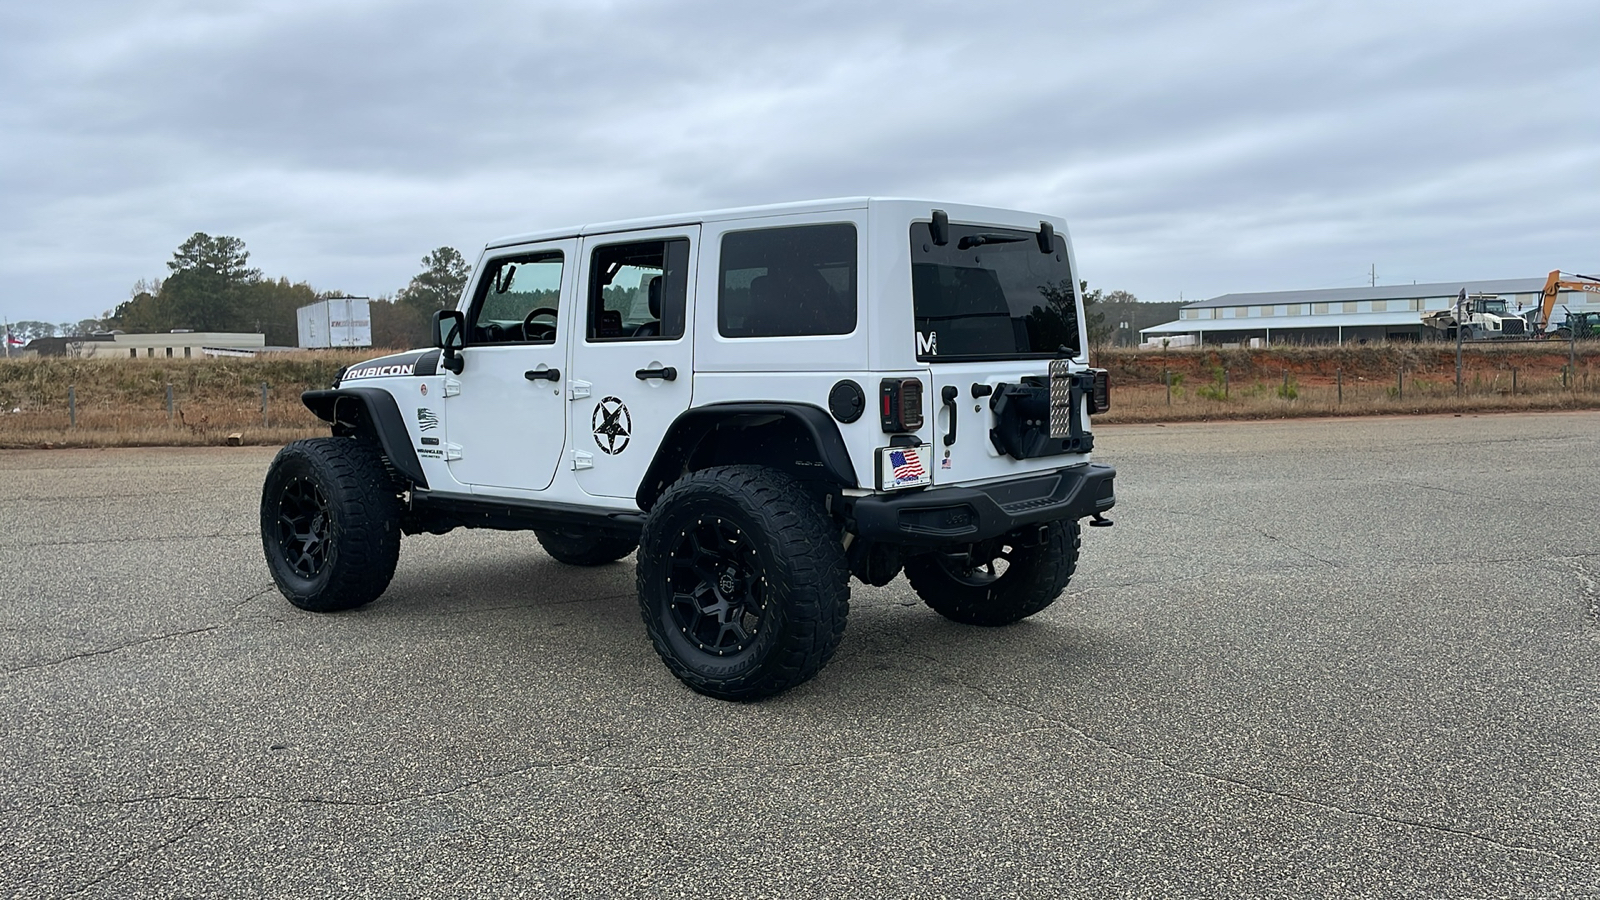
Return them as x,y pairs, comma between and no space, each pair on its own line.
991,293
782,282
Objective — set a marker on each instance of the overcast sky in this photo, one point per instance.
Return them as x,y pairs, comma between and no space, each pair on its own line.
1194,148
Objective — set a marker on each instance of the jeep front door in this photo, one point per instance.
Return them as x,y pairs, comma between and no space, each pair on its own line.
633,364
507,424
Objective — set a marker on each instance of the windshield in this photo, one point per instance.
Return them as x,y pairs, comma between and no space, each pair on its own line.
990,293
1492,307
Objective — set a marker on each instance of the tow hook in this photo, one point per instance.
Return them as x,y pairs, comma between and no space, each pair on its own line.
1100,521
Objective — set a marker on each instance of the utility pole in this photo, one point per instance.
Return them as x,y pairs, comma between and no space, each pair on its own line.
1373,275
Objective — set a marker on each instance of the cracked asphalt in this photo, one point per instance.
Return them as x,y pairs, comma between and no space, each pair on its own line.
1318,658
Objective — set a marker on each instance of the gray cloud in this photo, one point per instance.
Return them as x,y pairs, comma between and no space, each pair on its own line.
1195,148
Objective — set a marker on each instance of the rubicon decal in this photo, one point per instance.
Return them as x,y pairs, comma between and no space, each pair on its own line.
417,362
379,371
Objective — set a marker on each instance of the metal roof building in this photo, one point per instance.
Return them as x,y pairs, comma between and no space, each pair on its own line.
166,345
1338,315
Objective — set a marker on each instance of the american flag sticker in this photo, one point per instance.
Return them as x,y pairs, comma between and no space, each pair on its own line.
904,468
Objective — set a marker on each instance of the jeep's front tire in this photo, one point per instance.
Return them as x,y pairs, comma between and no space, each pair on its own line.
974,589
579,546
742,582
330,523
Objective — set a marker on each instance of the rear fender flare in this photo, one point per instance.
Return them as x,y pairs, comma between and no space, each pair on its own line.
691,429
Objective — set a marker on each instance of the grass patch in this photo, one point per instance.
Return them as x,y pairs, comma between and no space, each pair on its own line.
123,403
1377,379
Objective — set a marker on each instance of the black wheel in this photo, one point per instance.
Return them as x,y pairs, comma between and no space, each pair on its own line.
330,523
997,582
742,582
578,546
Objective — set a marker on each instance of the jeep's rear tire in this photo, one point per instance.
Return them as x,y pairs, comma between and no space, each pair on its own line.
580,546
330,523
742,582
972,589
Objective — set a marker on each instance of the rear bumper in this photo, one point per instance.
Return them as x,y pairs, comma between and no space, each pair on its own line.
964,514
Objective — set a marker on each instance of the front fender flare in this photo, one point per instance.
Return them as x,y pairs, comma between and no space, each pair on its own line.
373,413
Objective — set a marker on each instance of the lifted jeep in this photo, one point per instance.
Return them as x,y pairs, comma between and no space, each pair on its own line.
763,401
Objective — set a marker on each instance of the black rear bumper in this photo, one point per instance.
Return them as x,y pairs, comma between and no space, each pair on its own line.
964,514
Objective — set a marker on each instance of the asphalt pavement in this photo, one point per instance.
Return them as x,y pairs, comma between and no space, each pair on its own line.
1338,658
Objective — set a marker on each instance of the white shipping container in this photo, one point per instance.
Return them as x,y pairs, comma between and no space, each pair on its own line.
339,322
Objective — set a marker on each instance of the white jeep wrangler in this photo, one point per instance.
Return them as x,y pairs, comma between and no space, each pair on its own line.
763,401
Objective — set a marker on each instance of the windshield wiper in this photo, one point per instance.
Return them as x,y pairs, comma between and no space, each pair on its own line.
978,240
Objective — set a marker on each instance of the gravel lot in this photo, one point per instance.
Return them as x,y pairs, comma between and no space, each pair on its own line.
1316,658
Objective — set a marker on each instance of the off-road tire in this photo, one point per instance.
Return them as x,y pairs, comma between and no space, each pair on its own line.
579,546
1035,576
751,541
330,523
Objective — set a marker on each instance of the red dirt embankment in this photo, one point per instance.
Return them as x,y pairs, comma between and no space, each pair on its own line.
1535,362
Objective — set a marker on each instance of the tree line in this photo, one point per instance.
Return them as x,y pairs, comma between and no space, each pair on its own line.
1115,318
211,286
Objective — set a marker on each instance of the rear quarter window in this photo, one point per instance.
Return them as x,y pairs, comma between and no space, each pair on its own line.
788,282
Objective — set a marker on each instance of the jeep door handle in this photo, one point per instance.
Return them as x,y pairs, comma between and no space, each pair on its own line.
546,375
665,373
949,397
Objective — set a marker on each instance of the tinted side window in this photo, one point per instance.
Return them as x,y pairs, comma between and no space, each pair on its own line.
637,291
788,281
516,300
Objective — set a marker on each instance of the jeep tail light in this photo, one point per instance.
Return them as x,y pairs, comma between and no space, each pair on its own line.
900,404
1100,391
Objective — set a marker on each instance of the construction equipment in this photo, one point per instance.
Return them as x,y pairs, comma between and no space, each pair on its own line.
1553,286
1579,325
1476,317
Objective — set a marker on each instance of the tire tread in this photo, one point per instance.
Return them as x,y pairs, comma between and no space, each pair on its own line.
1029,585
365,542
807,552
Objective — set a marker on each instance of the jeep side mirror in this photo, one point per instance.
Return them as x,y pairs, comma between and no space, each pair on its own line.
449,335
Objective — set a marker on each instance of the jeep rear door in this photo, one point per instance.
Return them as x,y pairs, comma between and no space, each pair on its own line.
633,355
993,307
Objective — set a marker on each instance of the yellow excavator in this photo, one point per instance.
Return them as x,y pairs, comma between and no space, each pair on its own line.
1553,286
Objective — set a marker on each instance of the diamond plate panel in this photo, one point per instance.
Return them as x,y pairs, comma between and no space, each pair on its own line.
1061,379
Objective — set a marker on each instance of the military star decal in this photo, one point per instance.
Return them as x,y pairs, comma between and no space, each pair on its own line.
612,425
